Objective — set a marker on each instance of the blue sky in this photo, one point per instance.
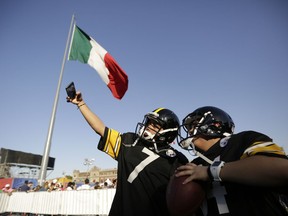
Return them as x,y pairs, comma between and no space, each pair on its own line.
178,54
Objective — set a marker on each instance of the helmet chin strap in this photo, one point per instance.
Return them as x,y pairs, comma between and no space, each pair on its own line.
186,143
203,157
161,150
147,135
227,134
150,136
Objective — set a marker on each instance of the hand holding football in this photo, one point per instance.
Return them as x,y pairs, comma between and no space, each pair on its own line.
184,199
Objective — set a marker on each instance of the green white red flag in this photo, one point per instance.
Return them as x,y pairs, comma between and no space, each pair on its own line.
86,50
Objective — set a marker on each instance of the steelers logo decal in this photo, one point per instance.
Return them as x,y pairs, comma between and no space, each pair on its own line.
170,153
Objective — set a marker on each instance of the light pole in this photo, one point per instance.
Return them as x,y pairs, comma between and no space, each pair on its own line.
88,162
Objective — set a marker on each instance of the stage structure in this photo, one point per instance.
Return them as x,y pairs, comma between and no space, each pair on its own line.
15,164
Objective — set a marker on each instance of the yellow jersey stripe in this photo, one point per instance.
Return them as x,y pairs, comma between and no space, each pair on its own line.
263,147
113,143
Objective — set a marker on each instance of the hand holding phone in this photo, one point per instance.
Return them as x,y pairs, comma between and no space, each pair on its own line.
71,90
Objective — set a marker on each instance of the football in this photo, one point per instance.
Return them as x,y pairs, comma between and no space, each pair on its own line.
183,199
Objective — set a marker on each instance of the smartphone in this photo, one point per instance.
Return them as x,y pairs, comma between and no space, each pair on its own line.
71,90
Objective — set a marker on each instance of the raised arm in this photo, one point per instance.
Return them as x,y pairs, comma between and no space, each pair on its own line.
93,120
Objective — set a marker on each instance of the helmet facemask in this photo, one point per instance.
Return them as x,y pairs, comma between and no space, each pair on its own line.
190,129
151,129
159,127
193,126
207,122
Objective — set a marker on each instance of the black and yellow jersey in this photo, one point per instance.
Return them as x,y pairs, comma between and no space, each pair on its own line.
143,174
228,198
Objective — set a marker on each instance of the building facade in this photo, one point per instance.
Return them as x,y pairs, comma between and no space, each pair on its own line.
95,174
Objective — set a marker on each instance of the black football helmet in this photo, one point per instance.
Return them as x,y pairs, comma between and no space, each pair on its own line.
167,124
209,122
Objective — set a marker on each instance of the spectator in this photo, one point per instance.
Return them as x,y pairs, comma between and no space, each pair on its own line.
105,185
51,186
114,183
45,187
25,187
85,186
7,189
97,186
70,186
109,183
37,188
30,185
58,187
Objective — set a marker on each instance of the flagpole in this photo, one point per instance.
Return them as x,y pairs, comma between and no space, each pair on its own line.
45,157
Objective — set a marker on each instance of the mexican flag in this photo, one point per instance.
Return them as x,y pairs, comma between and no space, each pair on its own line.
86,50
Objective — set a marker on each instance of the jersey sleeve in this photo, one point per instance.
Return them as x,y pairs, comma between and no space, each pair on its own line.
261,144
110,143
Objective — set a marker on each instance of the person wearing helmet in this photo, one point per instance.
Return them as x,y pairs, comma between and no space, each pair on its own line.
145,159
245,173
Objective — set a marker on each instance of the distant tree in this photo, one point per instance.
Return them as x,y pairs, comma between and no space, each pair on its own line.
69,177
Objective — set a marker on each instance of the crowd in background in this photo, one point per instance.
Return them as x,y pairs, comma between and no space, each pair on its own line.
54,185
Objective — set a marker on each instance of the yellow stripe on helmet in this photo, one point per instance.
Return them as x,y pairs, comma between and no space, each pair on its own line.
158,110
